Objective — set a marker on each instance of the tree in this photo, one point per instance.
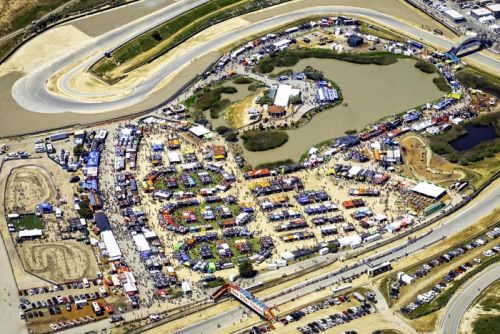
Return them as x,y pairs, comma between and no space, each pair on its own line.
84,210
221,129
246,269
296,99
78,150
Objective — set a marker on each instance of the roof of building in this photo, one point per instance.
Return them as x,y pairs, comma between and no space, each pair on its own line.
219,150
102,221
276,110
429,189
494,7
283,95
111,245
454,14
199,130
30,233
481,12
141,243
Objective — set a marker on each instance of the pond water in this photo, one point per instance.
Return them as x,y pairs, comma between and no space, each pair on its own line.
475,135
371,92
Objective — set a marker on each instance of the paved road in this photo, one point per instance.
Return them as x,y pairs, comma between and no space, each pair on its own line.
9,299
467,217
30,91
461,300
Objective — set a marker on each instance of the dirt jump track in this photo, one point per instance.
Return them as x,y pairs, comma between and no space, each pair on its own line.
58,261
26,187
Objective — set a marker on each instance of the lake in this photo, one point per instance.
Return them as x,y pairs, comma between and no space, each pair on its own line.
371,92
475,135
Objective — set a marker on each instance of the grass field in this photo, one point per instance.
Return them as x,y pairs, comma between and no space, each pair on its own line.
486,149
28,222
163,38
487,324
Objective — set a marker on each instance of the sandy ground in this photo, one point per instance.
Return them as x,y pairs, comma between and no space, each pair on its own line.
478,310
87,83
26,188
421,163
36,186
237,114
49,45
58,261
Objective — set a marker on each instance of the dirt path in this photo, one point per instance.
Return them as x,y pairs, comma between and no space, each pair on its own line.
27,187
422,163
58,261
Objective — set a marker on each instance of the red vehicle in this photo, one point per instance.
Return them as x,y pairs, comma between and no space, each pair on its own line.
109,309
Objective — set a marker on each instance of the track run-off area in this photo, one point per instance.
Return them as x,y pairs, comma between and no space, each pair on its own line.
31,91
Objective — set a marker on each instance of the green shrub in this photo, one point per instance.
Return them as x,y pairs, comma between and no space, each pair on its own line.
242,80
425,66
442,84
478,82
263,140
229,90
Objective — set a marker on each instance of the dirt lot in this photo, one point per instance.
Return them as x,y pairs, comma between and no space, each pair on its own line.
420,162
27,187
58,261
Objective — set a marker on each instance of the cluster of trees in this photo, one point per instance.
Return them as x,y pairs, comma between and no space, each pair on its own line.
246,270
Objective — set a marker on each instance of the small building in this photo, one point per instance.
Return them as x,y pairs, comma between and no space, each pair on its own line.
374,270
429,190
454,15
30,234
355,41
283,95
102,221
495,10
276,111
111,246
58,136
199,131
219,152
480,12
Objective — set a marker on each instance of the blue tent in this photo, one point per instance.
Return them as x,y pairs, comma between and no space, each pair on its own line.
45,207
93,159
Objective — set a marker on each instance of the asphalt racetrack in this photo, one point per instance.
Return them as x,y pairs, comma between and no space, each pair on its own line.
30,91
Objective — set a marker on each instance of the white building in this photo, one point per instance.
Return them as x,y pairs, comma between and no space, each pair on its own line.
283,95
480,12
111,246
454,15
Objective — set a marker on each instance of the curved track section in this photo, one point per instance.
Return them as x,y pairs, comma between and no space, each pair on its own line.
31,92
461,301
